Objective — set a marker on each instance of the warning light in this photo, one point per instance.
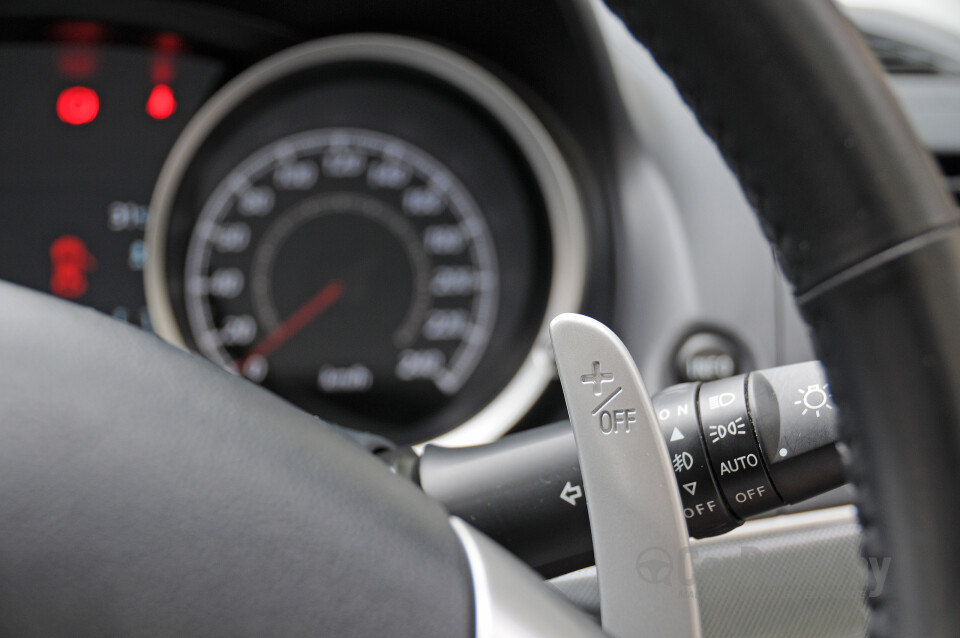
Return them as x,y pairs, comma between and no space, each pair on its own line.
161,69
77,53
78,105
78,31
168,42
161,104
77,62
71,261
68,282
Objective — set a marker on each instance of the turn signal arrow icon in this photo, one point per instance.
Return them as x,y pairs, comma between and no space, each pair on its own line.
571,493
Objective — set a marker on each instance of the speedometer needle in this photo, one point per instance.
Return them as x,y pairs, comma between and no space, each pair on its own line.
310,310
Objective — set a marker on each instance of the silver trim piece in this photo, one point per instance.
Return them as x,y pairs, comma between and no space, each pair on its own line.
564,209
510,599
639,534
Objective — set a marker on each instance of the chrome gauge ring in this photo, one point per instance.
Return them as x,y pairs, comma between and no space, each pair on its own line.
377,229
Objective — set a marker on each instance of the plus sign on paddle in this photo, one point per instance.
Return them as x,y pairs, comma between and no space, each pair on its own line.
597,378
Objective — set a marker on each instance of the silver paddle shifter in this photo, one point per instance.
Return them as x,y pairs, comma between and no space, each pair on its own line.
640,537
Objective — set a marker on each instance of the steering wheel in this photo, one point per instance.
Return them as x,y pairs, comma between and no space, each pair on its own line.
147,492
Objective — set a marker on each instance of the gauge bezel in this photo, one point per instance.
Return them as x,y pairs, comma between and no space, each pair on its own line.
562,202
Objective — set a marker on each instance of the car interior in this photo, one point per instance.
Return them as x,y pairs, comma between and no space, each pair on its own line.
426,318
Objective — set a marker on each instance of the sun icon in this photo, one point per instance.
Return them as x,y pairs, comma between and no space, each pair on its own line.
814,399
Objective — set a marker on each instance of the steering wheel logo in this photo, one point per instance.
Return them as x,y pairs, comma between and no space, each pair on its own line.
654,565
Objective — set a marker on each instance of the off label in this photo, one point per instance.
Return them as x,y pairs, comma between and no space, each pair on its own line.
700,509
617,421
750,494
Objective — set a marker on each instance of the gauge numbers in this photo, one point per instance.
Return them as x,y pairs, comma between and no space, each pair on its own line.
347,265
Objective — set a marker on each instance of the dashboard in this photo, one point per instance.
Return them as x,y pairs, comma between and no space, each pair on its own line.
375,213
374,209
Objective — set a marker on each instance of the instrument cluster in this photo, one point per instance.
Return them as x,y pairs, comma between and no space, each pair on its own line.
375,227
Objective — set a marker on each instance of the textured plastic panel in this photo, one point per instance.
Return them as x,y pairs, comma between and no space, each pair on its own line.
793,577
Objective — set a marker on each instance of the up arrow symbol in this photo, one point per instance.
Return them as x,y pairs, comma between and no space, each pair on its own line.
676,436
691,487
571,493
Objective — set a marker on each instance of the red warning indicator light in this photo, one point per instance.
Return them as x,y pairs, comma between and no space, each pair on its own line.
71,261
78,105
161,104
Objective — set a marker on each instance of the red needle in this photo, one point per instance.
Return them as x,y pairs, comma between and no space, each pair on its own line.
296,322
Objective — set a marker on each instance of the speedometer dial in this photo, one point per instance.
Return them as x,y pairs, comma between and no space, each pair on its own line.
341,263
376,229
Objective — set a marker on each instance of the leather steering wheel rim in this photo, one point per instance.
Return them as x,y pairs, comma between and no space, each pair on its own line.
239,515
864,229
